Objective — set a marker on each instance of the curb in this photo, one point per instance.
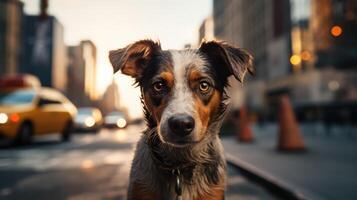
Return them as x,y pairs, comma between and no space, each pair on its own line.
274,185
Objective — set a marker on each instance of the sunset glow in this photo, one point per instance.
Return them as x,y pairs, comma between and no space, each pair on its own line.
112,24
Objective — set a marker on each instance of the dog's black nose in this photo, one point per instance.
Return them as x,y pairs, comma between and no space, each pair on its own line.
182,124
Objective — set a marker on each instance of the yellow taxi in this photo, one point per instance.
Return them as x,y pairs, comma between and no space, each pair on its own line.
32,111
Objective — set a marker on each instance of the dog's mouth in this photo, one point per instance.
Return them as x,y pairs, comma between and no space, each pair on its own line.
182,142
178,141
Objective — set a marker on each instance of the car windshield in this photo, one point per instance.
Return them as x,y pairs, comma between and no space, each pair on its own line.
85,111
116,114
18,97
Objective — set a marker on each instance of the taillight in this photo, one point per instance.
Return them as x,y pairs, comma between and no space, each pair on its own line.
15,118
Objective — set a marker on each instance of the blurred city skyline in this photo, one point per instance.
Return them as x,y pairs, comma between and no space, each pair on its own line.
303,48
114,24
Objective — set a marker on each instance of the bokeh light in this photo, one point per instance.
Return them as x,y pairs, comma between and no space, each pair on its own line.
87,164
15,118
295,59
336,31
306,56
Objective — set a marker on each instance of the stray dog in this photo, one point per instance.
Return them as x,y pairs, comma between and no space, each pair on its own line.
180,156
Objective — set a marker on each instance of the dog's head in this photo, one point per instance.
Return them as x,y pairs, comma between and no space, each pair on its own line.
183,90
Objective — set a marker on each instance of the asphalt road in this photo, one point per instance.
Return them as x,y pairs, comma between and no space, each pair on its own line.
91,166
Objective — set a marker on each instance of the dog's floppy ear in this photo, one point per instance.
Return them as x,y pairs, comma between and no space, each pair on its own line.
133,59
231,60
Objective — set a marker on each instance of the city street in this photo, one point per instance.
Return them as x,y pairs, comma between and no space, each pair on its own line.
91,166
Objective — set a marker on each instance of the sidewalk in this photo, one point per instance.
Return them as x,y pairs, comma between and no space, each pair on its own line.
328,170
239,187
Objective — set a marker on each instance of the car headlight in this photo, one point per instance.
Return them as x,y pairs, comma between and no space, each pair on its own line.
121,123
3,118
89,121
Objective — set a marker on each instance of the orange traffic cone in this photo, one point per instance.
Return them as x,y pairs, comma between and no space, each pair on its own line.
290,137
244,131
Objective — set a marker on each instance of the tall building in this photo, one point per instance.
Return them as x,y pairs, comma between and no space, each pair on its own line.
44,51
303,48
75,87
89,53
82,73
279,40
206,30
11,12
110,100
333,25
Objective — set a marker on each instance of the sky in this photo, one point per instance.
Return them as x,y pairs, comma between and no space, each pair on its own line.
113,24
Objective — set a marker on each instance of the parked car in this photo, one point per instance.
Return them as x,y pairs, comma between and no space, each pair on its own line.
19,81
27,111
115,119
88,119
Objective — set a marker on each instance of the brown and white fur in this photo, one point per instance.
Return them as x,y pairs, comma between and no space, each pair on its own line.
184,101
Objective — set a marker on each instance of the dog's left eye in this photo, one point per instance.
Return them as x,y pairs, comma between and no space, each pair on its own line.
158,86
204,86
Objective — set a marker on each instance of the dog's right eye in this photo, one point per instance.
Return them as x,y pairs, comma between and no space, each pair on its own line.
158,86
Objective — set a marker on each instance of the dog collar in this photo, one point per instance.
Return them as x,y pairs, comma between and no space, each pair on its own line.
186,169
